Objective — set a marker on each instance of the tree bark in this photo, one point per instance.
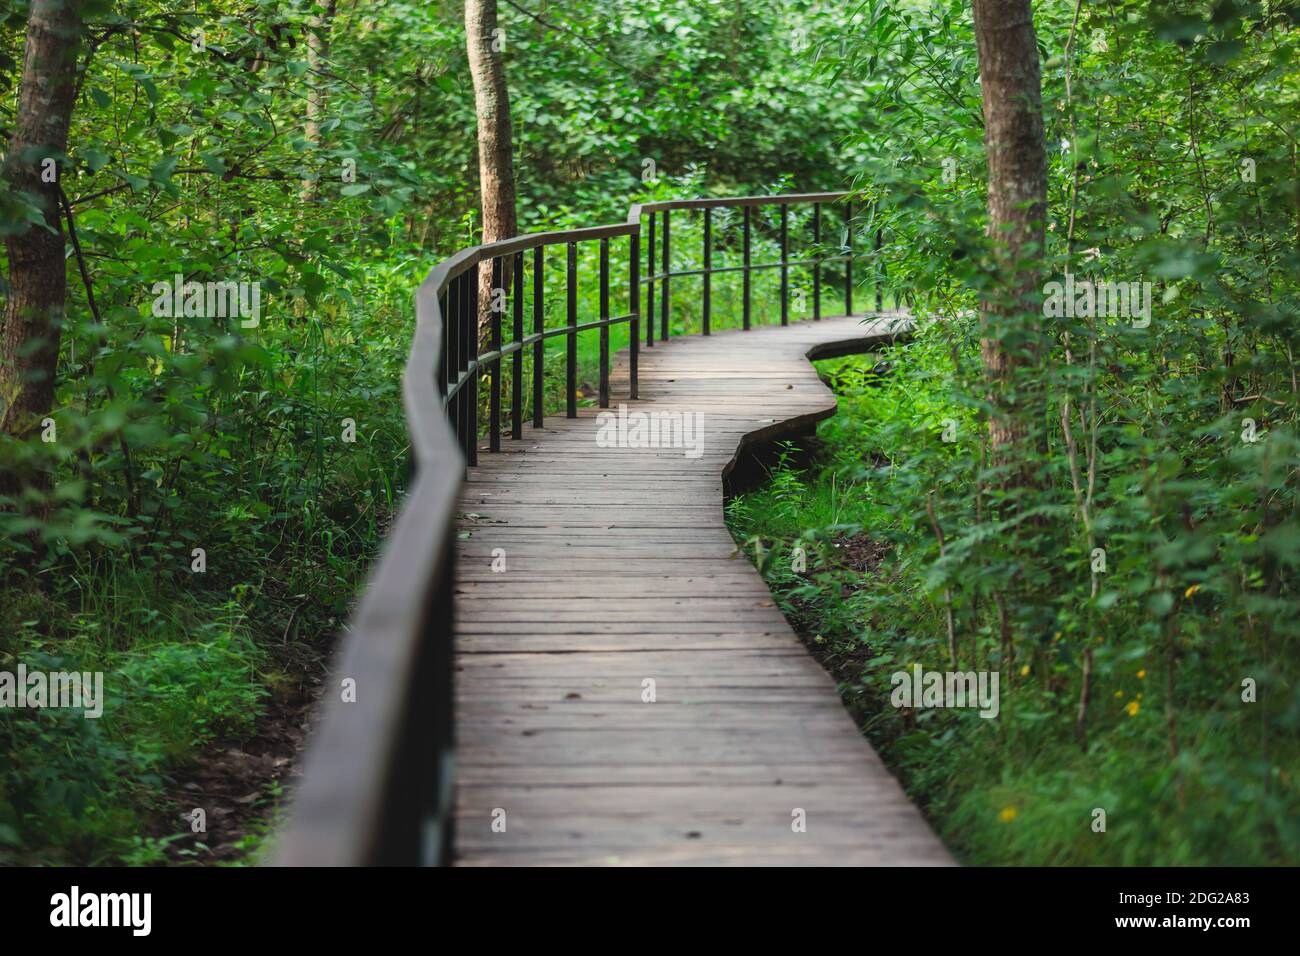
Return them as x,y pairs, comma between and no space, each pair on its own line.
318,53
33,312
1017,202
495,148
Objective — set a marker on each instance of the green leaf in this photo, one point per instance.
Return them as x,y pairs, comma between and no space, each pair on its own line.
95,159
163,169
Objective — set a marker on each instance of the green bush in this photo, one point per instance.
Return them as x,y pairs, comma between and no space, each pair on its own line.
1019,789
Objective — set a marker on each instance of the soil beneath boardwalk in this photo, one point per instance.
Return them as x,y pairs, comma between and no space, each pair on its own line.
865,557
240,783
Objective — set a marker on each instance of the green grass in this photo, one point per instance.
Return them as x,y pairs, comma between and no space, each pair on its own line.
290,518
84,790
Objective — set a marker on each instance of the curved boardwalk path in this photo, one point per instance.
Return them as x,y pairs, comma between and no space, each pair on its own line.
619,568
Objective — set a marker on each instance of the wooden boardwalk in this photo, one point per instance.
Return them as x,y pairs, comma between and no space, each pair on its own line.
619,570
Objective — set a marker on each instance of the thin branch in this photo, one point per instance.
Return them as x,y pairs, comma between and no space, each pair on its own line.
603,54
132,504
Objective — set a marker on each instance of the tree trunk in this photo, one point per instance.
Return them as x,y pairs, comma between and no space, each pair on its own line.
495,150
33,312
1017,202
318,54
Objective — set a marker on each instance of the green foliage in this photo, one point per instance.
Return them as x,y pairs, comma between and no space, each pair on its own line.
1171,446
190,154
1018,789
86,785
182,433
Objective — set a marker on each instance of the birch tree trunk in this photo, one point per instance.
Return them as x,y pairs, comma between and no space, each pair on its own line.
318,54
495,149
1017,201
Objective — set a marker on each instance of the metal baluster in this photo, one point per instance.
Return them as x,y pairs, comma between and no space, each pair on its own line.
440,373
650,287
450,319
571,373
494,345
539,347
817,261
604,326
634,299
462,360
471,355
708,266
785,264
848,258
880,273
663,302
517,362
746,294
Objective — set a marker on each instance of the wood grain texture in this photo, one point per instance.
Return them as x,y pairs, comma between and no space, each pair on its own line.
619,569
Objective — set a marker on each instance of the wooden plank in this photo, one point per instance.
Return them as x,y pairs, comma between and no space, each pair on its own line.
692,854
619,568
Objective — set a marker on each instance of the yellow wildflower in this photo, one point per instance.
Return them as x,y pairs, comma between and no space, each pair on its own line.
1008,814
1024,671
1142,674
1192,590
1132,708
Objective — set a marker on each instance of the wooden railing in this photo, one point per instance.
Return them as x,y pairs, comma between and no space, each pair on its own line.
377,780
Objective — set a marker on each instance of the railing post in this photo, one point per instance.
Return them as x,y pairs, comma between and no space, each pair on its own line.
494,345
785,264
604,327
817,261
880,273
462,362
571,373
517,362
441,370
451,362
708,268
663,301
539,347
634,298
450,320
745,273
650,287
463,341
848,257
471,356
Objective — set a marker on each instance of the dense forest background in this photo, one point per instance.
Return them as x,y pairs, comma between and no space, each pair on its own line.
329,152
